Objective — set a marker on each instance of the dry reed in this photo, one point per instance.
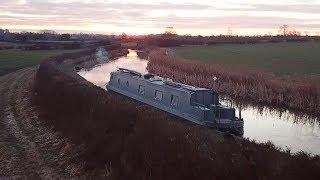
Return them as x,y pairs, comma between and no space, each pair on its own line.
293,93
127,140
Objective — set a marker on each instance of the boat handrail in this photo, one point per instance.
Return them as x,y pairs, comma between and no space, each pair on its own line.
198,104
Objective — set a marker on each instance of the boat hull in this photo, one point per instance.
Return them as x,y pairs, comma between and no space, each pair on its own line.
225,125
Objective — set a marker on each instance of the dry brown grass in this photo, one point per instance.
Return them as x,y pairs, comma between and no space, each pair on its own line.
298,94
127,140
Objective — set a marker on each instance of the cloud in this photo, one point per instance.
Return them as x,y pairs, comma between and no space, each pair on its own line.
160,13
302,8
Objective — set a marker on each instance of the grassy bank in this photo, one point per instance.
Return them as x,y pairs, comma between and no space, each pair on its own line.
285,58
127,140
13,59
293,93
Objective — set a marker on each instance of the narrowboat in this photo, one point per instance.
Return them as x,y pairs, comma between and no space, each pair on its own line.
195,104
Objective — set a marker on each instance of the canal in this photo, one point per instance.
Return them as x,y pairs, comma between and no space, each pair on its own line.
262,124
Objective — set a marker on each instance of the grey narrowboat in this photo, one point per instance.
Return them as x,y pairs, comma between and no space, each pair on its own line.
195,104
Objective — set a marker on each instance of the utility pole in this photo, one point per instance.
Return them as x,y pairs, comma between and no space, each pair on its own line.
229,32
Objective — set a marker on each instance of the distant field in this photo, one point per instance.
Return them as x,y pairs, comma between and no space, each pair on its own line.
13,59
2,43
280,58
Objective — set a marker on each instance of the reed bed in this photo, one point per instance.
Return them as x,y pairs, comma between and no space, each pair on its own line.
299,94
124,139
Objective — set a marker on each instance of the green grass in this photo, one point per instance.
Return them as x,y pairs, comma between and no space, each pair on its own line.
279,58
14,59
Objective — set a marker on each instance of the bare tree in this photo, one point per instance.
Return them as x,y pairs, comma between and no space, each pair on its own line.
229,32
124,36
284,30
294,32
170,31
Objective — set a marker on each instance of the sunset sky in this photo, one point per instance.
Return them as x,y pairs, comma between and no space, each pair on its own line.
249,17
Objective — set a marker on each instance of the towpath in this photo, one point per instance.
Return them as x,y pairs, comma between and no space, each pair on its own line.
28,147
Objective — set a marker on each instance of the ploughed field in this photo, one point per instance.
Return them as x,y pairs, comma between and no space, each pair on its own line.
14,59
285,58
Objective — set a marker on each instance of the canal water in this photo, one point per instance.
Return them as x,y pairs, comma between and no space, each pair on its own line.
262,124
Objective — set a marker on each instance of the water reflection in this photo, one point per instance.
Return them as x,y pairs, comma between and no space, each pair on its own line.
102,55
283,128
262,124
100,74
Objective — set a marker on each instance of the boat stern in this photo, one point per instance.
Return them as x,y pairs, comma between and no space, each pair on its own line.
234,126
224,118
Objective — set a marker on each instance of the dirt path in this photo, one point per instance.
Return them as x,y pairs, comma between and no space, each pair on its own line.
28,148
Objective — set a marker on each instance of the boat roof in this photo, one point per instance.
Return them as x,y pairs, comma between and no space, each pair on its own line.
163,81
175,85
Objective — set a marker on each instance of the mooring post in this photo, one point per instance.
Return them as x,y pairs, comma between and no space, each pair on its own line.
215,84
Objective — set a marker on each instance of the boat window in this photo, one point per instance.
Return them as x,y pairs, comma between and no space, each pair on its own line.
141,89
174,100
119,81
127,83
158,95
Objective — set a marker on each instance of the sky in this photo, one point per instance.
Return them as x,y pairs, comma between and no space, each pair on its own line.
202,17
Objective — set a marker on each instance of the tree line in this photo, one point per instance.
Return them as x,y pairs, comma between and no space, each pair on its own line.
48,35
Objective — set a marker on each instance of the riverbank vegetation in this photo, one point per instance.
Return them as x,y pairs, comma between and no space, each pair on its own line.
124,139
299,94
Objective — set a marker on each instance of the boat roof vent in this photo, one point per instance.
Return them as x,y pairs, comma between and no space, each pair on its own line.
148,76
135,73
173,84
